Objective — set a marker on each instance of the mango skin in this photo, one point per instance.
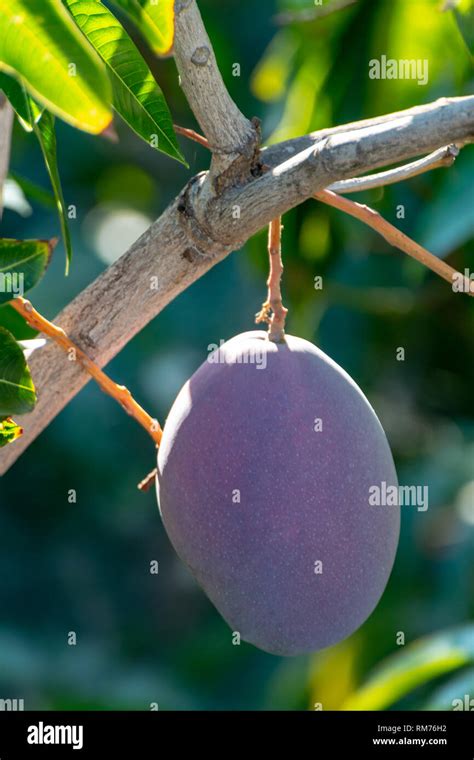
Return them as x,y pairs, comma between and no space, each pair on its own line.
304,495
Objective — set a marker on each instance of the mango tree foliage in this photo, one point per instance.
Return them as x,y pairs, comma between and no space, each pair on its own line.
464,14
154,19
413,666
17,392
42,47
136,95
9,431
43,125
18,98
22,265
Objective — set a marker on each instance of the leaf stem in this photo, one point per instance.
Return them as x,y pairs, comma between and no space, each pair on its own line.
192,135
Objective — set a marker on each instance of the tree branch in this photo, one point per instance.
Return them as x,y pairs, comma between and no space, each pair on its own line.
338,156
436,160
233,139
217,212
121,394
395,237
276,154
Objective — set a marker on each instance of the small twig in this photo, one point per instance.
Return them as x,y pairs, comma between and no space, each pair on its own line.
192,135
393,236
273,312
148,482
118,392
443,157
311,14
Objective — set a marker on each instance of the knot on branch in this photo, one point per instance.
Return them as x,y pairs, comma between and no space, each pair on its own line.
201,243
245,164
201,56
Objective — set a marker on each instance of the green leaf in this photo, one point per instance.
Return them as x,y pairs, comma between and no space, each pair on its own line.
155,20
136,95
9,431
41,46
45,132
464,15
33,191
12,321
17,392
418,663
22,265
18,99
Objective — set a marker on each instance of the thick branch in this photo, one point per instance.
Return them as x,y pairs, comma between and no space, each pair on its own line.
196,232
339,156
276,154
231,135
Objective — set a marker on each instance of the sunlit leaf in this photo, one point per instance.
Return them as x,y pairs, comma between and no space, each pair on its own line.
429,39
17,392
332,674
464,15
155,20
136,95
42,47
22,265
9,431
413,666
45,132
304,92
270,78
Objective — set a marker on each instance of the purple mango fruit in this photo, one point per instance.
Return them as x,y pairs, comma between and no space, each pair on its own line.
264,472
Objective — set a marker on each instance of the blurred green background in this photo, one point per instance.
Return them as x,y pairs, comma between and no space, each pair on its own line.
85,567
